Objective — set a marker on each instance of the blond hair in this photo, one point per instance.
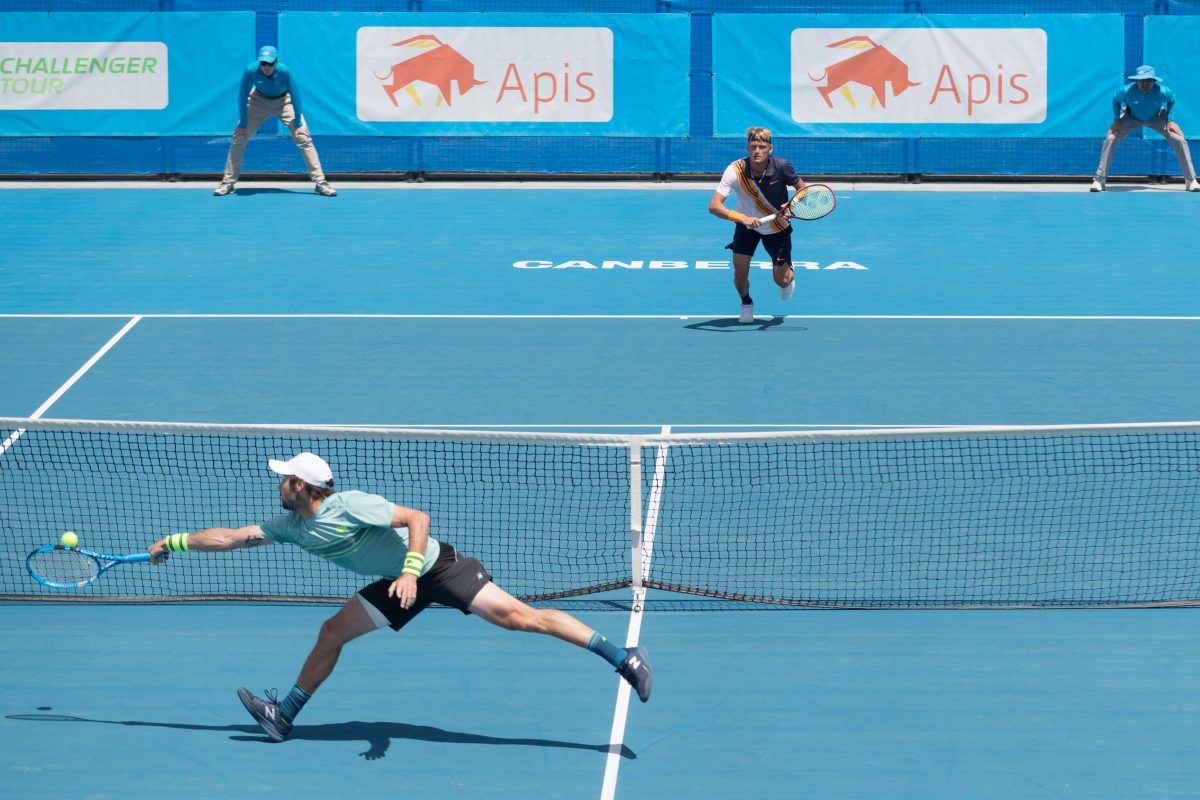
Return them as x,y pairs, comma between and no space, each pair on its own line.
758,135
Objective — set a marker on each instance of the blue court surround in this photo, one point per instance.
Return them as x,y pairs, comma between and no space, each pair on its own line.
747,703
451,251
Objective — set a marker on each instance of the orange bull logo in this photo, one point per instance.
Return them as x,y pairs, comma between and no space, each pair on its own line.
874,68
440,66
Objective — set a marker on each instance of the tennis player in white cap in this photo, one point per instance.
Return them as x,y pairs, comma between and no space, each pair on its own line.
367,534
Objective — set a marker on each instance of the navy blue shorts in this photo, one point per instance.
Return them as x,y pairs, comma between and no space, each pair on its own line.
452,581
777,245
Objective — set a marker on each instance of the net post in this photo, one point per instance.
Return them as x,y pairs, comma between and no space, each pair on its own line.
635,521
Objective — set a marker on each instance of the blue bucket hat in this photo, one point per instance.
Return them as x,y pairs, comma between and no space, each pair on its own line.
1144,73
268,55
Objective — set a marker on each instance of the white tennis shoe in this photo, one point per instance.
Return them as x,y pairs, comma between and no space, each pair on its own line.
786,292
1194,186
224,188
747,315
1097,186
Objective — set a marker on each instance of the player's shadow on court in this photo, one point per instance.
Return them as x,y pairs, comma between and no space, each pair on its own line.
730,325
377,735
273,190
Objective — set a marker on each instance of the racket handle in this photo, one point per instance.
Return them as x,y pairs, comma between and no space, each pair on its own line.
766,220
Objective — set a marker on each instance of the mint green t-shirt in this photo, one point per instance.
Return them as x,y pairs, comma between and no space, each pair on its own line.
353,530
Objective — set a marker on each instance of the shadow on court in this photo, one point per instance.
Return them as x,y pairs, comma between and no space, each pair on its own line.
274,190
730,325
377,735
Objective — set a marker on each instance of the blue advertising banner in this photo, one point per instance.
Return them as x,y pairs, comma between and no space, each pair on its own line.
496,74
1171,48
916,76
100,74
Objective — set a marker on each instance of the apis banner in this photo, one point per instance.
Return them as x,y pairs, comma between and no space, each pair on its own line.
502,74
428,74
913,76
905,75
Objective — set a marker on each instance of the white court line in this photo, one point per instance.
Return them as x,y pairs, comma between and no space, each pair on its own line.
703,183
1048,317
616,738
79,373
544,426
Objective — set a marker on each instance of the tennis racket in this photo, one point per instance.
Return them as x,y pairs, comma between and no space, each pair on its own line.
814,201
63,567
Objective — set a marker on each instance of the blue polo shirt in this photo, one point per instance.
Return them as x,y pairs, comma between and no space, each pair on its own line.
280,83
1143,106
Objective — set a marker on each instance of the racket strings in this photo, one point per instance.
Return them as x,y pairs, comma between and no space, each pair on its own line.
813,203
68,567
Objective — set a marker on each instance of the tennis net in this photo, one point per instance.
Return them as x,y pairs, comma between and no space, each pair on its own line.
980,517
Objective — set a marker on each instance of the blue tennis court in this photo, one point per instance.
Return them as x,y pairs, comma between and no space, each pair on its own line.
518,307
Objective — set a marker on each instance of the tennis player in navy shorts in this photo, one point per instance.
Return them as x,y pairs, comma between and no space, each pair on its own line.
760,183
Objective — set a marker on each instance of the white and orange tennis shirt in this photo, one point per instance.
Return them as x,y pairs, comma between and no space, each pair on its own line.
759,197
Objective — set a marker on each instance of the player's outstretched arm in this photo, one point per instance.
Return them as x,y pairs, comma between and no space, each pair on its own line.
208,540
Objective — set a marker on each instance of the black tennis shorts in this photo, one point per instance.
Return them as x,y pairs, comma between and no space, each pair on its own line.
777,245
452,581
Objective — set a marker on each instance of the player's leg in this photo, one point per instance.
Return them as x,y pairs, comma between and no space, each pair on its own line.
741,282
779,246
308,151
1124,126
257,112
741,278
276,716
745,242
500,608
350,622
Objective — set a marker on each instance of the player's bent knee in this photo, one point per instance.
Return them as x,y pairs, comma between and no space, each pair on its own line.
330,631
336,631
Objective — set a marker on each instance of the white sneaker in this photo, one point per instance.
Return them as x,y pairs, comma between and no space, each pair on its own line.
786,292
224,188
747,315
323,188
1194,186
1097,186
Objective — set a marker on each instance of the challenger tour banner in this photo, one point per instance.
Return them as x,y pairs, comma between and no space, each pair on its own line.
497,74
914,76
99,74
1171,48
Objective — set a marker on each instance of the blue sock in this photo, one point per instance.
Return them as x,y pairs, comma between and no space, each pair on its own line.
290,706
606,649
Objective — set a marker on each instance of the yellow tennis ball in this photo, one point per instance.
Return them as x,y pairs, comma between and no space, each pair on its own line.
69,539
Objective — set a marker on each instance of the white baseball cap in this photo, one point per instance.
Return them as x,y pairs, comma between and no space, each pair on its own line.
308,467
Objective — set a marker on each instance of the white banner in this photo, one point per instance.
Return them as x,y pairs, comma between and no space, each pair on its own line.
66,76
469,74
919,75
